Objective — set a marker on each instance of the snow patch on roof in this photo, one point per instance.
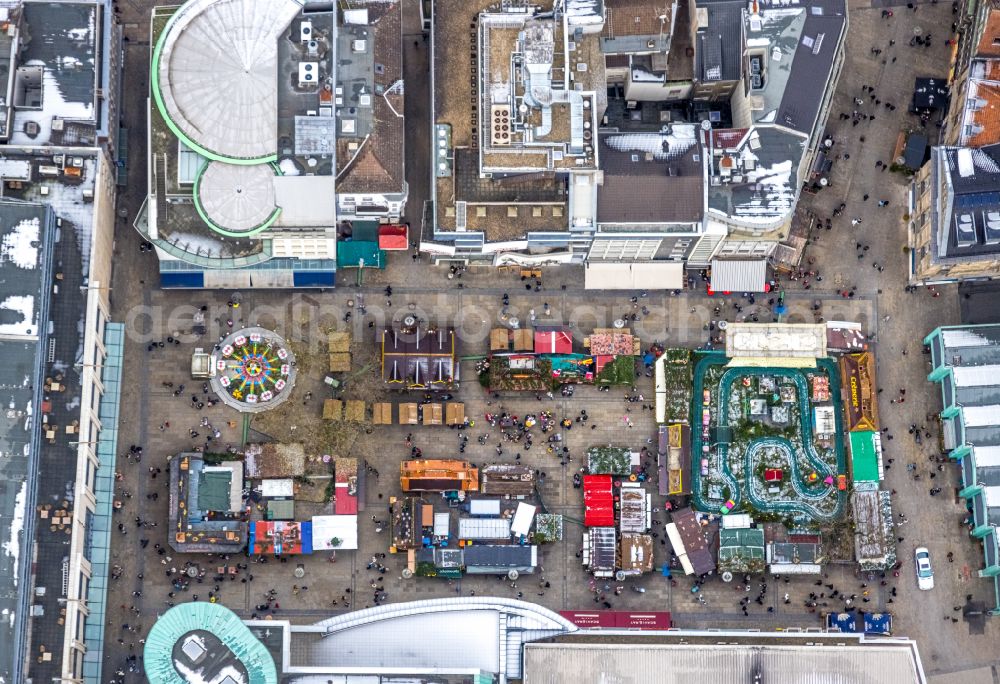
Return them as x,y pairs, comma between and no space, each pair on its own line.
670,143
54,105
23,306
20,246
12,547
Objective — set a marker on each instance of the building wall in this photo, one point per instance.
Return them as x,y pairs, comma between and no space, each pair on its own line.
716,91
109,76
919,225
657,92
94,353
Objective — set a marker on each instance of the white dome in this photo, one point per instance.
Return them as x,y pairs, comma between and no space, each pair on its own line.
217,74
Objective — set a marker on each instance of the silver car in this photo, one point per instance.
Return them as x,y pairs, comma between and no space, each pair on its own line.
925,575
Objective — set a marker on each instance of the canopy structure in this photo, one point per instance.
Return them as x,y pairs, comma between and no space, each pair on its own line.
866,456
739,275
255,370
556,341
651,275
598,501
215,76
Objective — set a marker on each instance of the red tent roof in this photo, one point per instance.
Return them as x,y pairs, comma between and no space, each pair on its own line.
772,475
601,361
598,501
553,342
392,237
344,503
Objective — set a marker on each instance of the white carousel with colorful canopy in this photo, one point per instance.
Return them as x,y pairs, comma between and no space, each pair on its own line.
254,370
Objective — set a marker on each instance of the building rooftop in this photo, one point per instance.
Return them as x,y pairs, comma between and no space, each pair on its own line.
228,164
753,177
989,41
774,659
55,81
370,94
205,505
233,44
527,123
636,26
719,45
651,177
792,53
466,632
968,220
26,232
981,114
206,642
65,195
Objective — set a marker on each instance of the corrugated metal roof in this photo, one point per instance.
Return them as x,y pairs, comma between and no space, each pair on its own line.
739,275
777,663
980,416
977,376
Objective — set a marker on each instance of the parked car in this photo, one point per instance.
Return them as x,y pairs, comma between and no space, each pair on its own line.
925,575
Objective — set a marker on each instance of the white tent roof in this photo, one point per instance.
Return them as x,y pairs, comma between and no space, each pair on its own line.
343,527
523,517
642,275
282,487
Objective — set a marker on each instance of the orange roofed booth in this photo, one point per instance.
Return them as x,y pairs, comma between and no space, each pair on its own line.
438,476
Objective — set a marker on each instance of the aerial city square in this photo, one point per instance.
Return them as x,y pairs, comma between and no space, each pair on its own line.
488,341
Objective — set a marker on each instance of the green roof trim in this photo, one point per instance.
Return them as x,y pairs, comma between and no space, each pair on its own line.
216,619
864,458
268,222
154,80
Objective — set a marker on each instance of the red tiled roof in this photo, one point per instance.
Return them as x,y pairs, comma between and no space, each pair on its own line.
635,18
986,118
727,137
989,42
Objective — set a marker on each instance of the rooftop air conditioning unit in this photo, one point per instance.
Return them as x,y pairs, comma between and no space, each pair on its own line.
308,74
499,125
306,31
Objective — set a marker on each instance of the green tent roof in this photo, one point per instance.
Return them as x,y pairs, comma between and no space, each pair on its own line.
864,458
351,253
213,490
